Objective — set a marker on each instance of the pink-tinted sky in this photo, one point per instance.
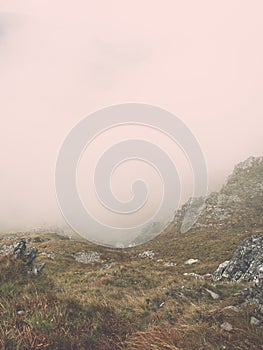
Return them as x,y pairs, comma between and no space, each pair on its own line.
61,60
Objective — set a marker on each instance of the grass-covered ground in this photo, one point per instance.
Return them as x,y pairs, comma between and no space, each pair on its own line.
134,303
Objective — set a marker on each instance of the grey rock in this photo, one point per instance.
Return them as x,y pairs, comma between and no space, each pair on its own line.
20,249
231,308
191,261
169,264
219,271
226,326
245,262
35,240
237,204
50,255
31,256
254,321
246,265
6,249
87,257
256,292
27,255
20,312
147,254
195,275
213,295
106,267
38,268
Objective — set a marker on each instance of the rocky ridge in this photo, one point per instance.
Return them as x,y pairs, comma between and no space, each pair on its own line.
237,204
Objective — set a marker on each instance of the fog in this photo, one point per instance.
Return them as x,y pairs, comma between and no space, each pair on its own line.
59,62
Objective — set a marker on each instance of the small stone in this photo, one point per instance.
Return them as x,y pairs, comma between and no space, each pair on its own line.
232,308
106,267
38,268
213,295
191,261
147,254
254,321
87,257
169,264
195,275
226,326
50,255
20,312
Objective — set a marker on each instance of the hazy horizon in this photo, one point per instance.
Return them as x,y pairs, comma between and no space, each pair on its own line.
201,61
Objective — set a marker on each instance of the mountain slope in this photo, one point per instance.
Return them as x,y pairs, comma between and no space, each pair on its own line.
89,297
237,204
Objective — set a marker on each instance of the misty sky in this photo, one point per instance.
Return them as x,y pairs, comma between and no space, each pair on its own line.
60,61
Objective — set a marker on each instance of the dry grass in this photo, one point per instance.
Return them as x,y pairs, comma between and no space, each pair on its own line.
135,304
154,339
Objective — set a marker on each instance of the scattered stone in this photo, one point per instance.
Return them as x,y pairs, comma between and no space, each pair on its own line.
213,295
20,312
191,261
231,307
207,276
50,255
106,267
38,268
87,257
195,275
31,256
254,321
169,264
35,240
226,326
8,238
6,249
20,249
147,254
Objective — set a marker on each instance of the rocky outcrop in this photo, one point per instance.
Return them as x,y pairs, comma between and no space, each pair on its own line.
246,265
28,255
256,292
238,204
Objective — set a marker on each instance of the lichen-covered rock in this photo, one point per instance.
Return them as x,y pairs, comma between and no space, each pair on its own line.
87,257
27,255
147,254
246,265
256,292
245,262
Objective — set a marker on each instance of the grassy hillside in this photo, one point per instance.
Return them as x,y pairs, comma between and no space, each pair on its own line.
123,300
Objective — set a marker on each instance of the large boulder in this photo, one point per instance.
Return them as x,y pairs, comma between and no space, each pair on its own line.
245,263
